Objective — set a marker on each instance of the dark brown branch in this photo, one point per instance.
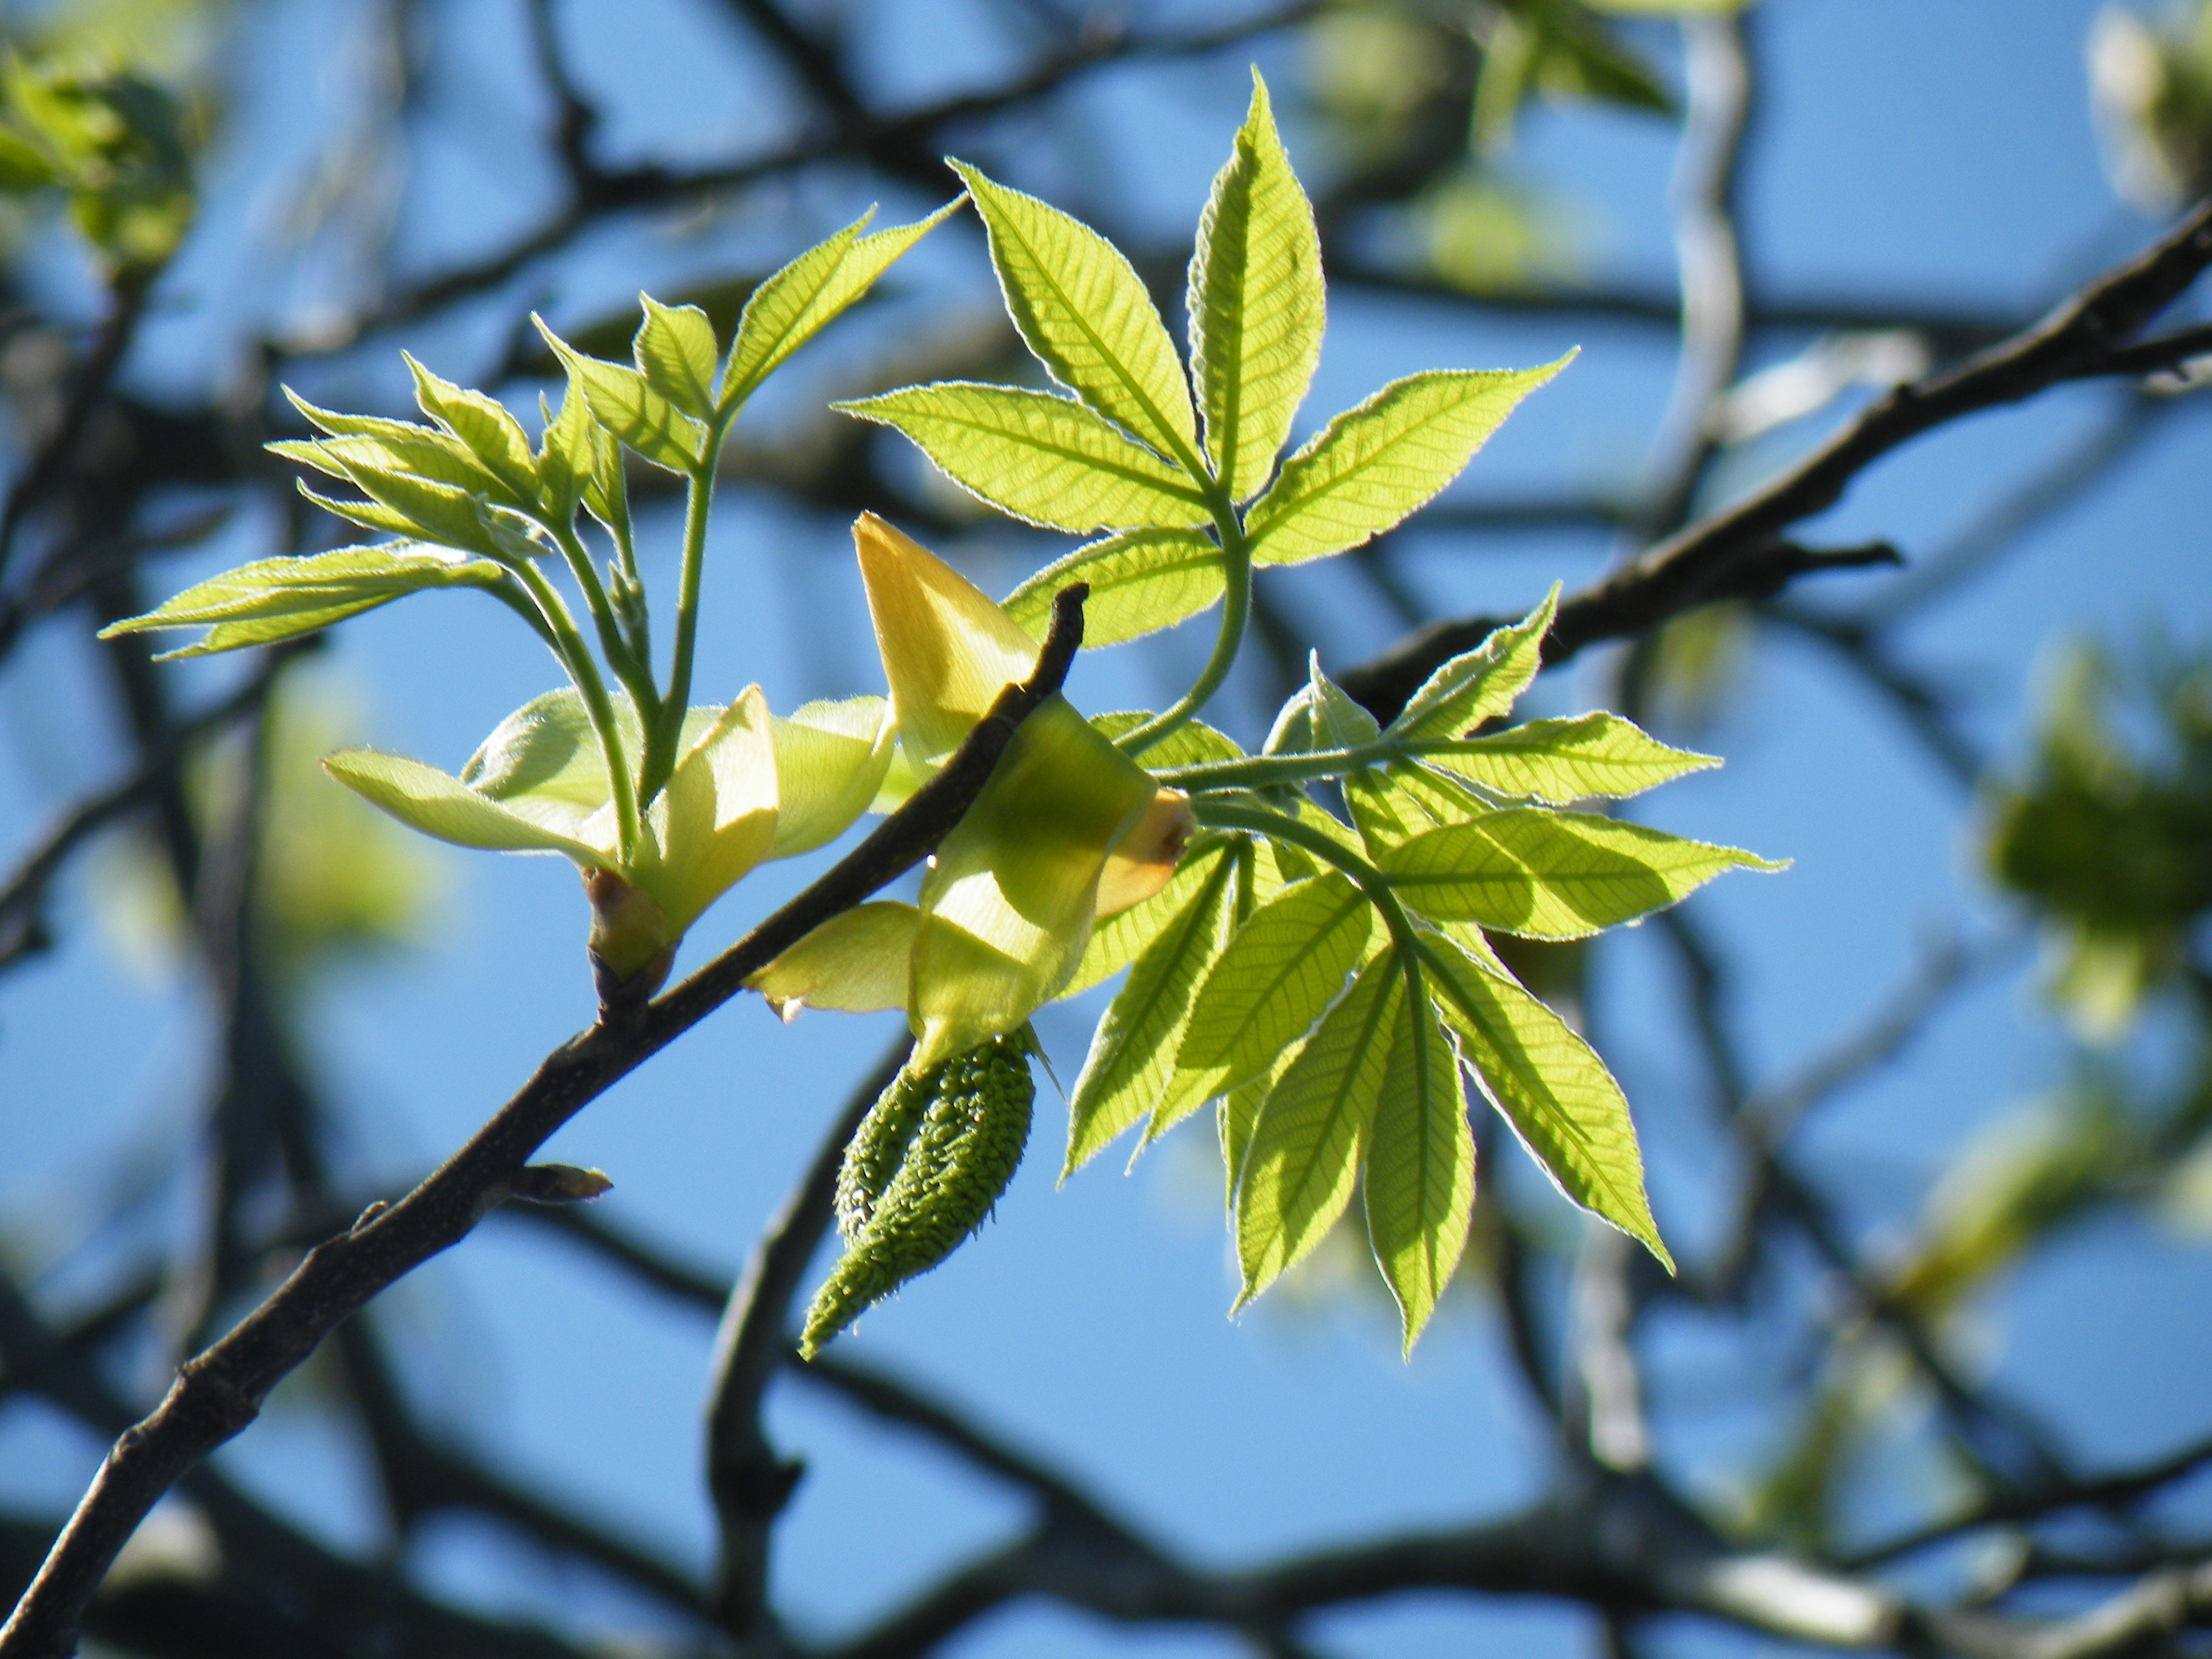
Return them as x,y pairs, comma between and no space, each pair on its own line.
218,1393
748,1483
1739,552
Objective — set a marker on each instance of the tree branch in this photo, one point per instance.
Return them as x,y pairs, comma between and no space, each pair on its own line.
218,1393
1738,552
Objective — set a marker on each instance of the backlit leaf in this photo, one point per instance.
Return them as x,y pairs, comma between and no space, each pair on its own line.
1118,940
1553,875
1255,303
1284,966
1482,684
1040,457
1141,581
856,963
1570,760
623,402
1548,1084
1420,1165
676,351
794,304
1305,1152
279,598
1133,1053
1372,465
1083,310
483,426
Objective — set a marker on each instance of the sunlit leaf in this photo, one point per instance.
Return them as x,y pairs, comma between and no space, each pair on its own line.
794,304
1482,684
1039,457
1303,1156
1420,1185
1282,969
1118,940
1570,760
1553,875
1256,302
273,599
1133,1053
1372,465
1084,311
623,402
1141,581
676,351
1548,1084
482,425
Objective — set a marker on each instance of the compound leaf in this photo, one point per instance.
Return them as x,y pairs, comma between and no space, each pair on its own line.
624,402
676,352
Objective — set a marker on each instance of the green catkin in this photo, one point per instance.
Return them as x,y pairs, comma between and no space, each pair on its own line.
966,1123
878,1146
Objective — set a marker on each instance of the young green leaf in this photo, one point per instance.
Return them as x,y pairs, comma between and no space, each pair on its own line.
1553,875
441,806
1282,970
1372,465
623,402
857,961
1421,1165
416,452
1336,721
675,350
568,451
482,425
1191,744
1237,1115
1256,302
1392,804
1132,1054
273,599
1548,1084
1141,581
1482,684
1304,1153
1083,309
607,492
1037,457
793,305
1121,940
831,759
1570,760
543,764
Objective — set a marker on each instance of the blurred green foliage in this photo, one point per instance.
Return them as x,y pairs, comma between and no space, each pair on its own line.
2153,86
114,143
2110,840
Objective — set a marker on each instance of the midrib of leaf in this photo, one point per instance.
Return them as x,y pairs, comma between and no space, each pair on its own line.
1181,455
1289,968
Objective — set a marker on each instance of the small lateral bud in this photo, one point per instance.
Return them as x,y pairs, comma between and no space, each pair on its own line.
558,1184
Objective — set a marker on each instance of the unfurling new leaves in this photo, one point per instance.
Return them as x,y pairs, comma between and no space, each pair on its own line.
1328,986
